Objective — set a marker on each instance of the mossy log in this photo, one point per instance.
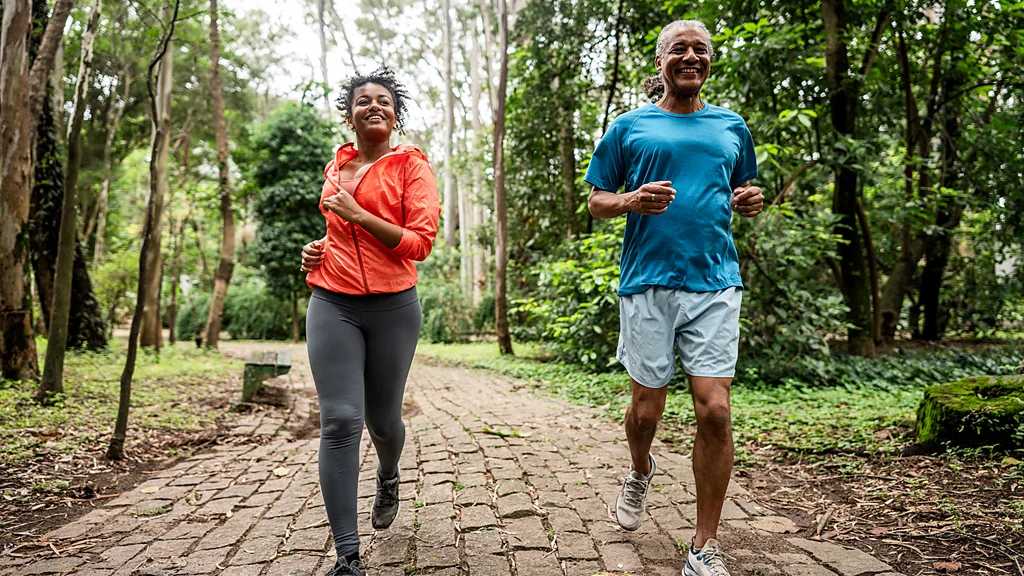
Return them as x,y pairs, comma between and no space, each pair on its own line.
978,411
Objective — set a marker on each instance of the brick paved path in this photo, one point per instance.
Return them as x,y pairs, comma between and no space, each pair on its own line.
472,503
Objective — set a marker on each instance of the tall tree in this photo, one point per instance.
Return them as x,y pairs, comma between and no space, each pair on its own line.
160,147
227,245
115,451
477,206
500,212
53,366
321,26
124,81
451,219
21,98
845,91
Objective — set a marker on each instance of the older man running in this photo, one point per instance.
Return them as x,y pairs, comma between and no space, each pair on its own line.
686,165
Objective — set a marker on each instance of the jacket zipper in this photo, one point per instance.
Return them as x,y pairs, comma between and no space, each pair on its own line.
355,238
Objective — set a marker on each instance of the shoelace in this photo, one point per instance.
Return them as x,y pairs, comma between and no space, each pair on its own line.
386,493
714,559
634,490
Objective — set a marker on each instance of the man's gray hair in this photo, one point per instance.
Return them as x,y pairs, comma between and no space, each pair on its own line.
676,25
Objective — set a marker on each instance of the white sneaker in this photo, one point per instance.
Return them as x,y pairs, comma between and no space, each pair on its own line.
708,561
632,500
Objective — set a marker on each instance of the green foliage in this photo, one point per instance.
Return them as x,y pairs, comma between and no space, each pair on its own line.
251,312
448,315
574,304
289,153
115,282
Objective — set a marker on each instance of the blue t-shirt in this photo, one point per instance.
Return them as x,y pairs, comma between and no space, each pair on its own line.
705,155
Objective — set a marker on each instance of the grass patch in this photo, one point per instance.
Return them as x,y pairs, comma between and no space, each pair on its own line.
868,407
183,389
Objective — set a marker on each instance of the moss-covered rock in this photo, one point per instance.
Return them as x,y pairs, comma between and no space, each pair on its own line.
978,411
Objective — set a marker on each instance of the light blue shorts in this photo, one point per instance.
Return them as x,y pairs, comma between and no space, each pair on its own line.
704,326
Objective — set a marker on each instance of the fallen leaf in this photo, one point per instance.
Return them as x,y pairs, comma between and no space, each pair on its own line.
149,490
1008,461
878,531
947,567
883,434
281,471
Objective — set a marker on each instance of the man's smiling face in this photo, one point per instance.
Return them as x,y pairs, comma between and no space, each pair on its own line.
686,61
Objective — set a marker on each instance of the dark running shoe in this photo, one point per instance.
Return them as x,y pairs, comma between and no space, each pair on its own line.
385,505
343,568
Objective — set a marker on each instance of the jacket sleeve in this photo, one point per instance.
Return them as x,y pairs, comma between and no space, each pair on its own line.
422,209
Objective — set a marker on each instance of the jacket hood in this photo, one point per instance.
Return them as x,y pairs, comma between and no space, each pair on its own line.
348,151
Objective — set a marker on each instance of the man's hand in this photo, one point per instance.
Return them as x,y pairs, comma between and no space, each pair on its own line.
312,255
747,200
652,198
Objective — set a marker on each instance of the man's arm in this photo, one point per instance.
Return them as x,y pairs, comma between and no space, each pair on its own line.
651,198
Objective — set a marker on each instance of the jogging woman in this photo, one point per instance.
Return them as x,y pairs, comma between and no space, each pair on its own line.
363,320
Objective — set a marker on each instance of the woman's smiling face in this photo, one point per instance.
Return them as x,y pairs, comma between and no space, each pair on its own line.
686,61
373,112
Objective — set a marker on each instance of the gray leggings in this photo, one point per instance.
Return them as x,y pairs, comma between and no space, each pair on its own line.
360,350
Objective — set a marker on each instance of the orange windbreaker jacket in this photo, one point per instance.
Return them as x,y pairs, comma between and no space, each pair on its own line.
399,188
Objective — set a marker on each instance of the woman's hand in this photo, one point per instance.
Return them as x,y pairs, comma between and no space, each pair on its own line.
312,255
344,205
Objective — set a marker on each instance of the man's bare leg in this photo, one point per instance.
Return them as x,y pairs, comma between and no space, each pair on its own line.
642,419
713,451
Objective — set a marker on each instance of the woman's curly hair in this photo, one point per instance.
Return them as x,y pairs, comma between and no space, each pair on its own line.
382,76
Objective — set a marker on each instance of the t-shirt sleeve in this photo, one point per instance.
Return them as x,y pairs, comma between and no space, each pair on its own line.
745,169
607,170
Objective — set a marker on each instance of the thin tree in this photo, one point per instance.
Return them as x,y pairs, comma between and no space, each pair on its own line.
21,98
151,334
500,214
451,219
479,279
227,245
115,451
53,365
321,26
339,25
845,90
125,82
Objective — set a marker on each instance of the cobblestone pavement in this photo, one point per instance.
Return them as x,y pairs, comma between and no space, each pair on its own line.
533,503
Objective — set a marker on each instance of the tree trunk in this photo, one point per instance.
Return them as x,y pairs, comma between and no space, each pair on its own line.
227,245
53,366
115,451
160,152
22,91
17,345
500,215
567,154
611,90
101,208
86,325
450,201
339,24
178,236
201,248
321,25
295,317
476,204
843,109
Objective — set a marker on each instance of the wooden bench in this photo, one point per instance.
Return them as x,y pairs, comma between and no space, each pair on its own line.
262,366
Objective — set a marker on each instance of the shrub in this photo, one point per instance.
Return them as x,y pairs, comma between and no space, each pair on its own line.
250,312
574,305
